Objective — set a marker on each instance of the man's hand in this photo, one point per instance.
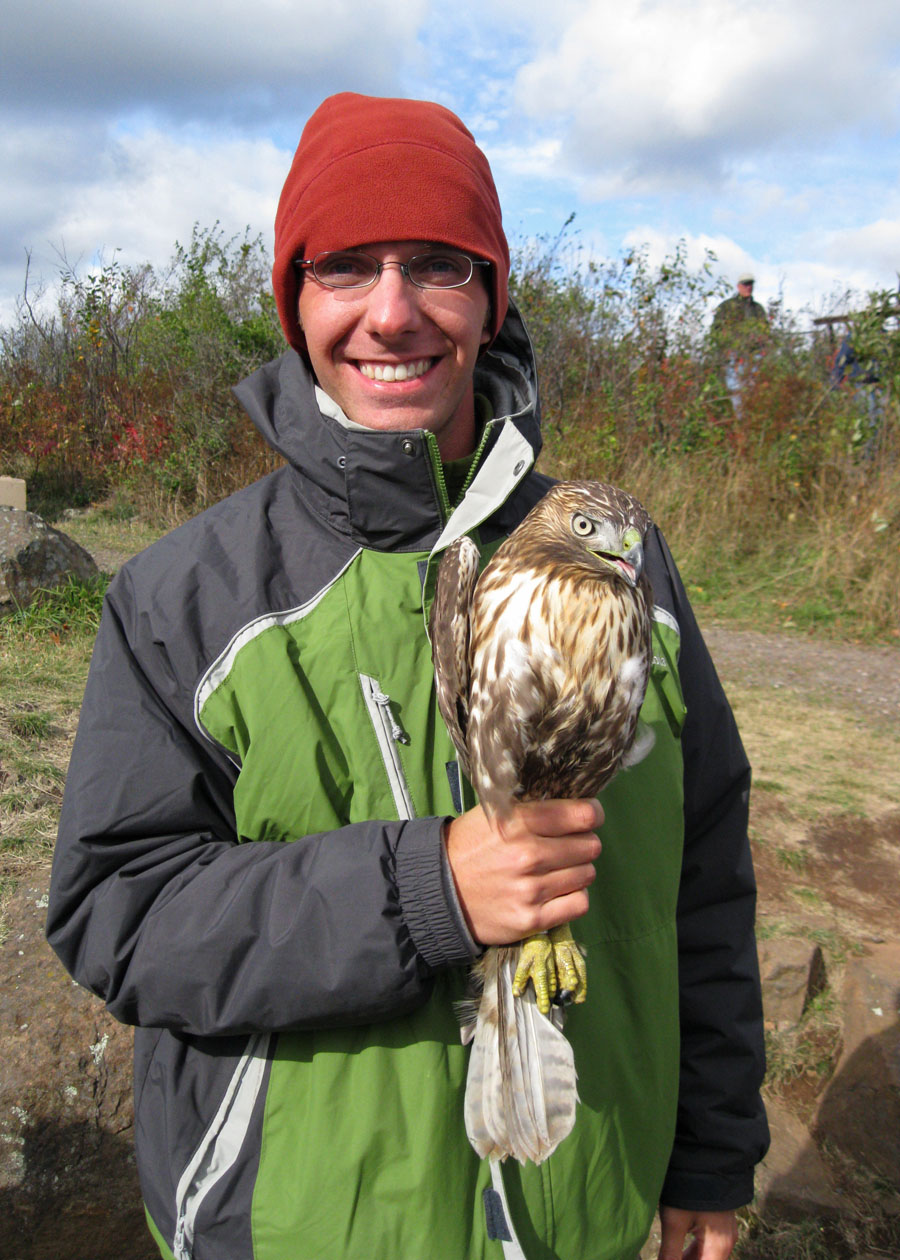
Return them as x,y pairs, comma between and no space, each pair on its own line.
528,874
714,1234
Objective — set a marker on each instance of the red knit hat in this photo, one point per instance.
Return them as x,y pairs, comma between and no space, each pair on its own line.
369,169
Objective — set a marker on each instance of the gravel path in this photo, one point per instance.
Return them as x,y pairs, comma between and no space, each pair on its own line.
852,675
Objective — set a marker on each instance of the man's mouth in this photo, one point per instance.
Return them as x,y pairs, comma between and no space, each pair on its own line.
395,371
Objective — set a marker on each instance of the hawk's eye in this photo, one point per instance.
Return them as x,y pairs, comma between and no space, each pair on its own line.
582,526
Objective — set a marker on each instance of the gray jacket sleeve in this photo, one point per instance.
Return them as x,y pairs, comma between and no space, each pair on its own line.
721,1129
157,908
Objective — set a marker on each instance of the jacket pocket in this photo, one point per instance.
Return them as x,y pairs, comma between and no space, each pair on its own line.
389,734
221,1145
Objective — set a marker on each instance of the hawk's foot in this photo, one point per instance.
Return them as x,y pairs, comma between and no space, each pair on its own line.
571,971
537,964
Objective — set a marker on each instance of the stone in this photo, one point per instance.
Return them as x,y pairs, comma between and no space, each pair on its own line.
793,1182
859,1113
792,971
12,493
34,556
68,1182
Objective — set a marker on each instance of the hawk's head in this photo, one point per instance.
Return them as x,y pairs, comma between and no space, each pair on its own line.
593,526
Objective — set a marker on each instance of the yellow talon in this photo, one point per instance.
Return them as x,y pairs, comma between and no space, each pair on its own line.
537,964
569,963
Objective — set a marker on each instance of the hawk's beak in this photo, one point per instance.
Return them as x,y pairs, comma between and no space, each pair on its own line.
635,557
630,563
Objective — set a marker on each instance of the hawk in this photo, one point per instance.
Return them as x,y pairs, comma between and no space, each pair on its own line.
541,665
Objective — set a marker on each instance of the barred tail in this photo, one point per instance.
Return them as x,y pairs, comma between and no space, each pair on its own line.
521,1088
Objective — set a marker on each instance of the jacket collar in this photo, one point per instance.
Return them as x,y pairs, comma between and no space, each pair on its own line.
385,489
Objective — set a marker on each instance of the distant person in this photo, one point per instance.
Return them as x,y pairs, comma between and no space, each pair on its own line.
740,329
737,314
862,378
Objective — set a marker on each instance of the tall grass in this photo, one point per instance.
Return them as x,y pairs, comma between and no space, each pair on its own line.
44,653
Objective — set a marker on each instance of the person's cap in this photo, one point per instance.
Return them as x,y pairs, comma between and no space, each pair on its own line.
370,169
746,278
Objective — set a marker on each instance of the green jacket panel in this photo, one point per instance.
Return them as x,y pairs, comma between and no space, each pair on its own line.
290,698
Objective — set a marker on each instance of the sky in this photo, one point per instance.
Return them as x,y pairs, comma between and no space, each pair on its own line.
764,130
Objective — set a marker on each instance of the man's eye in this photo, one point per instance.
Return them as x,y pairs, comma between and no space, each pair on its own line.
340,265
441,266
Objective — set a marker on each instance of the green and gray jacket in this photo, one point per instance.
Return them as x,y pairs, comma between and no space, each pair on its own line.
263,675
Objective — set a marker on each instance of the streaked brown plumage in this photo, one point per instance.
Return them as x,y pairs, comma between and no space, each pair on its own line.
541,666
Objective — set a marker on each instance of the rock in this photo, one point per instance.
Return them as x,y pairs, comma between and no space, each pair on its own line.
859,1113
68,1183
792,971
792,1182
34,556
13,492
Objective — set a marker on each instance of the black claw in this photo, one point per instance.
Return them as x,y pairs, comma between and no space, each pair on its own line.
565,997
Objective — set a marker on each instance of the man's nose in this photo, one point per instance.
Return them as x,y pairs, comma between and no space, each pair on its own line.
393,303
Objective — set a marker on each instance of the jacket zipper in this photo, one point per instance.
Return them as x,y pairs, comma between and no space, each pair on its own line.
221,1144
389,734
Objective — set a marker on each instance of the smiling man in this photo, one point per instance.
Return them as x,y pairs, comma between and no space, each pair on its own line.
393,332
268,860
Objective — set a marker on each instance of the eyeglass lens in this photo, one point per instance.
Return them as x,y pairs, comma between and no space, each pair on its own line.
351,269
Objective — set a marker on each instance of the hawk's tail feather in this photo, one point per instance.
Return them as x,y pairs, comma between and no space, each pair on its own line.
521,1088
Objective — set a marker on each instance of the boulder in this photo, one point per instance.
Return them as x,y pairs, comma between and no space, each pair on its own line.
793,1182
792,971
34,556
68,1183
13,493
859,1113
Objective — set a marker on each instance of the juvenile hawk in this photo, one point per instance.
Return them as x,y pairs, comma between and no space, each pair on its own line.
541,666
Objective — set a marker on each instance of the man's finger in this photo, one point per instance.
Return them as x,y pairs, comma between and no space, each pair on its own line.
560,818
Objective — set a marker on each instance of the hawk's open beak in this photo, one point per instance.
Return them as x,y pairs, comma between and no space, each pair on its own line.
635,557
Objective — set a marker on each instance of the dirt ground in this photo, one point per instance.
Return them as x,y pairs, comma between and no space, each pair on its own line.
844,674
851,857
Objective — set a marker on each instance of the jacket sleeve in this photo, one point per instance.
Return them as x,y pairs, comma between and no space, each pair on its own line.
156,907
721,1131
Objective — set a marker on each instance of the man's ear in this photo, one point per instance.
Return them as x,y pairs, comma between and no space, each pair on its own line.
486,328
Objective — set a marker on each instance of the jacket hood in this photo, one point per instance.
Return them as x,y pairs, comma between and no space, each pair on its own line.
380,487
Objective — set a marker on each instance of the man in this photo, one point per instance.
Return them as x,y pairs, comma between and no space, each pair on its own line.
263,675
740,329
741,310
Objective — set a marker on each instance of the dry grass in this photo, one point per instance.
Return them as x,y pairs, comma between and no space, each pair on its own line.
815,759
44,657
756,549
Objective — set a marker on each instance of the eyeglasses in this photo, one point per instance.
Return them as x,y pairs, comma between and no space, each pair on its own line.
352,269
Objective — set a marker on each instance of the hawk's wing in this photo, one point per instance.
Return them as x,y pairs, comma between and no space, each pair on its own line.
449,629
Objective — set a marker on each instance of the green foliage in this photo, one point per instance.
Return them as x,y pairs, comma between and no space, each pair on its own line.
620,344
72,608
128,380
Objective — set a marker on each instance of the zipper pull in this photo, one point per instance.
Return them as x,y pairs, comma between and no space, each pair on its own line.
384,702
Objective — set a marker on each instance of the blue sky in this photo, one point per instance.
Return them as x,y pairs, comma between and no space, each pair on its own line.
766,130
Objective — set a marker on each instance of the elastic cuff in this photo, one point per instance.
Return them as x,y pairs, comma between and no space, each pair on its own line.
428,898
706,1192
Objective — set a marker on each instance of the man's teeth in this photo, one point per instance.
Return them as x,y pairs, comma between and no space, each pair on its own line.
395,371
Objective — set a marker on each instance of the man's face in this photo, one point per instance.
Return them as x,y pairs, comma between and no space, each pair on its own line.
745,288
434,335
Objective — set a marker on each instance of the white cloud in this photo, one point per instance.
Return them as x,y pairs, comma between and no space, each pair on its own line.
144,193
873,247
199,57
655,91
